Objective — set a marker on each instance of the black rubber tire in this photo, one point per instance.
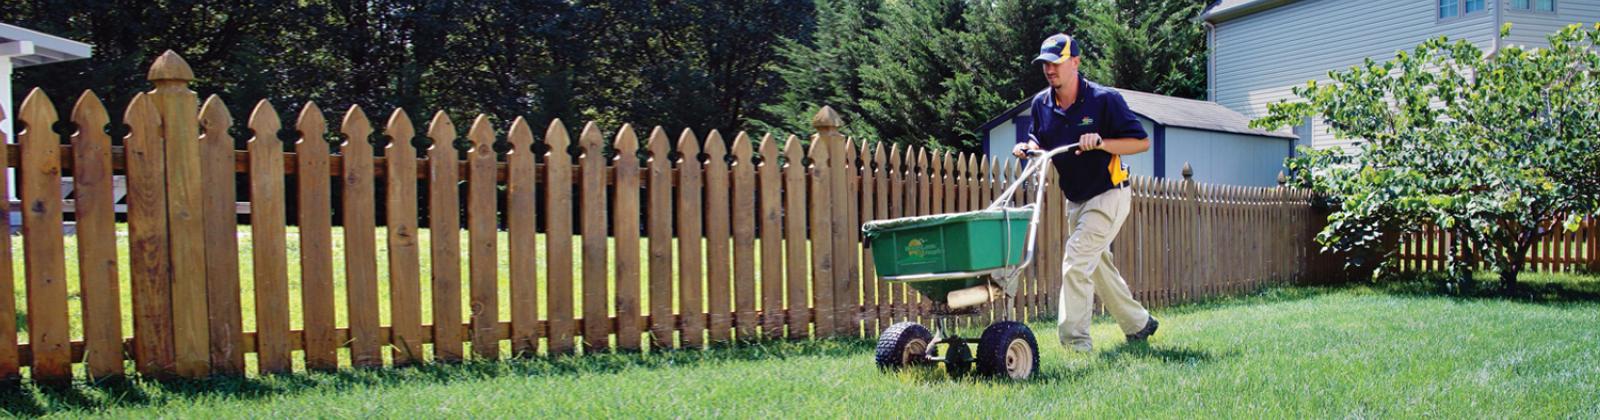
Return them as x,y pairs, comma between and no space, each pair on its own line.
892,345
992,351
958,359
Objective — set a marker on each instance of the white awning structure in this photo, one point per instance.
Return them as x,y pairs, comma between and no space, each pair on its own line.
26,47
23,47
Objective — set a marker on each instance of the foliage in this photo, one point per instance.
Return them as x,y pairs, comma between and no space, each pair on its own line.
823,71
1498,150
696,63
930,73
1145,45
922,72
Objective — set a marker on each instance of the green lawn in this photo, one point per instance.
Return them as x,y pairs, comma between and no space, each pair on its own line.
1407,349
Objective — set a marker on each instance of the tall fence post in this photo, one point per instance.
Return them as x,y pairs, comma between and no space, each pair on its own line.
1282,265
1191,211
1593,245
180,131
827,123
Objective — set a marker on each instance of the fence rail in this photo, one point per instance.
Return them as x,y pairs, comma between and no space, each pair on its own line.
757,239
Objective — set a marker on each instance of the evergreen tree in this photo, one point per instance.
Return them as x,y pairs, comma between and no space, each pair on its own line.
824,71
1144,45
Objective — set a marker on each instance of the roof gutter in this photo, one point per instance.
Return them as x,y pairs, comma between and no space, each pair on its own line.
1242,10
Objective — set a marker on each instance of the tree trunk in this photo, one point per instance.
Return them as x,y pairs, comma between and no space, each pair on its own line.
1508,276
1518,258
1462,256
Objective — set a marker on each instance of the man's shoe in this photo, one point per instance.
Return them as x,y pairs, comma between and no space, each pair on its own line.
1144,334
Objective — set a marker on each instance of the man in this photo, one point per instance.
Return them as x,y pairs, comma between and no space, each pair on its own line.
1075,111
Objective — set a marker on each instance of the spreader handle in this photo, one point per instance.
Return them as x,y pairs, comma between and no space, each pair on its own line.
1033,153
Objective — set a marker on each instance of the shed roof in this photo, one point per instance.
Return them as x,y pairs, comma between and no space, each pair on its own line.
1190,113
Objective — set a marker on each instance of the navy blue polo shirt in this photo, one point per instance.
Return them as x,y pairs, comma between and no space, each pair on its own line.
1098,109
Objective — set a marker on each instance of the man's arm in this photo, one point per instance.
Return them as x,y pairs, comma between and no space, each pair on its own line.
1030,143
1125,146
1128,136
1117,146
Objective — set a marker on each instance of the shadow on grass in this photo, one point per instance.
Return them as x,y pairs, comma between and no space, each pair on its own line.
1118,358
1050,375
29,399
1264,295
1164,354
1558,289
1534,288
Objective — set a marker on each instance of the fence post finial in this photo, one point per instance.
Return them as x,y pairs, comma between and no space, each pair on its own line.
170,67
1188,171
826,121
1282,179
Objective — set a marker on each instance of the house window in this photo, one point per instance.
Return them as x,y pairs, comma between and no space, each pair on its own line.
1454,8
1534,5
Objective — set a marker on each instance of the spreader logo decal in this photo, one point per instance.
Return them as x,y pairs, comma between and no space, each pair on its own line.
917,248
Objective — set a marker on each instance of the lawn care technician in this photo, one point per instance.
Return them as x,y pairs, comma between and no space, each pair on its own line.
1076,111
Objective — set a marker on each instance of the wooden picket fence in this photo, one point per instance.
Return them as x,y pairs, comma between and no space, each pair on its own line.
708,242
1558,252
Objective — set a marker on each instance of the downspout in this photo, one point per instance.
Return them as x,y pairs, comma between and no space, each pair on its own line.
1211,61
1499,22
1160,158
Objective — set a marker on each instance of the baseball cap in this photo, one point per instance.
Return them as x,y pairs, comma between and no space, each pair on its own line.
1057,49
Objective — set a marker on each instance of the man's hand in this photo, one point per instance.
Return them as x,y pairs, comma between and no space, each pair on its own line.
1021,149
1089,141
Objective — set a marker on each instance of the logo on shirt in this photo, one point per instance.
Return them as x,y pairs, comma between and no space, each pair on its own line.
1086,122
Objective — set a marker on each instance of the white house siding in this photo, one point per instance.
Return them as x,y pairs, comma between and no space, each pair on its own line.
1260,57
1529,28
1226,158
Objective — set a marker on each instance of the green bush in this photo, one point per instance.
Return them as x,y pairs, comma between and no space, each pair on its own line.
1499,150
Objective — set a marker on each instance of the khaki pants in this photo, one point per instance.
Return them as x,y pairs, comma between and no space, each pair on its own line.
1088,270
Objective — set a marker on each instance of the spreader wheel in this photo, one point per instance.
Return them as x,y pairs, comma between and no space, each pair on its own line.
957,358
1008,350
902,345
